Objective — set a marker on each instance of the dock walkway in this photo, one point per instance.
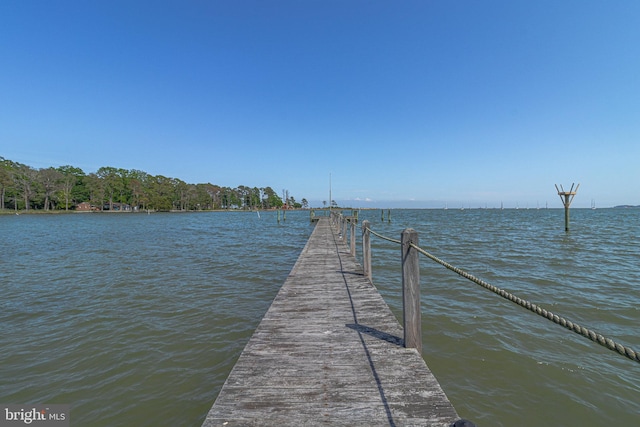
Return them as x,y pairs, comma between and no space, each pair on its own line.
329,351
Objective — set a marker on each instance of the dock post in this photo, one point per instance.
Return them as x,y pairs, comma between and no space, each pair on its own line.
344,227
352,239
366,249
411,290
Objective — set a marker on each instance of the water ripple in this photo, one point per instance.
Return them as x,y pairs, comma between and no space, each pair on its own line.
139,318
502,365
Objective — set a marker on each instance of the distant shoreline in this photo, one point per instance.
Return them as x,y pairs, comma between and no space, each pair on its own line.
62,212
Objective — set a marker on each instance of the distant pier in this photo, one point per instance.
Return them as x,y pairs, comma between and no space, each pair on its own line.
329,351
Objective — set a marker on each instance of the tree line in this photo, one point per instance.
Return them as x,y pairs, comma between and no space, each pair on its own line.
63,188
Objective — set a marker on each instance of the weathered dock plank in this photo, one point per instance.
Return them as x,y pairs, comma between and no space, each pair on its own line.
329,352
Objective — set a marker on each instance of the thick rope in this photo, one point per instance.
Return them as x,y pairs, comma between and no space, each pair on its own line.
593,336
574,327
384,237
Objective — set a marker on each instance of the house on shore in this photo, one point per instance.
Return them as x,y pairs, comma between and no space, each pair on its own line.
86,207
117,207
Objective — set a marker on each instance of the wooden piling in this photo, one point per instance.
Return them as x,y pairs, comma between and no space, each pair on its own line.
344,227
366,249
411,290
352,239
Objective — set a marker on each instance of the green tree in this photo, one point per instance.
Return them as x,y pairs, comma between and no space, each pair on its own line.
110,183
214,192
116,185
243,196
161,193
7,182
256,201
26,184
200,198
230,198
271,199
71,184
50,181
138,187
181,199
95,187
193,198
66,186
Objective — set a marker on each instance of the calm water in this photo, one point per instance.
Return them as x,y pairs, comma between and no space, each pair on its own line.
136,320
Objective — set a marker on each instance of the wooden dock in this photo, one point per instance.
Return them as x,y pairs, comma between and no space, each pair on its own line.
329,351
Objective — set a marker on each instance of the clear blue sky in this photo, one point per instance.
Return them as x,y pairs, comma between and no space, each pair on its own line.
412,103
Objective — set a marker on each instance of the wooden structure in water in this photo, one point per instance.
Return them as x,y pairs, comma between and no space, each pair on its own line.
329,351
567,198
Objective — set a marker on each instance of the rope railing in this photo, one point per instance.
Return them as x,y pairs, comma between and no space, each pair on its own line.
572,326
389,239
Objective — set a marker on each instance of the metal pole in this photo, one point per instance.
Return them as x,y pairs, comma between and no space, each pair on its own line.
566,212
567,198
